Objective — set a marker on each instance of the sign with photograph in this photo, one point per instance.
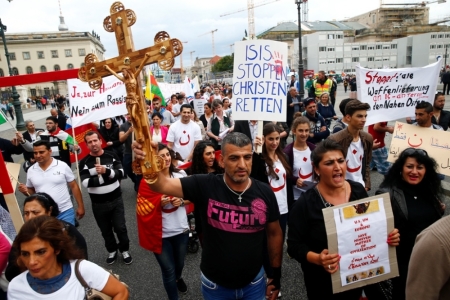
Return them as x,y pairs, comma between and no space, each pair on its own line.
435,142
358,231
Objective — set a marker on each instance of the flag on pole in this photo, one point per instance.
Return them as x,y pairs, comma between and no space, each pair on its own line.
2,118
152,89
63,136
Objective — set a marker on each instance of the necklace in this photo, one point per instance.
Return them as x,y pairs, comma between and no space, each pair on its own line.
326,203
240,195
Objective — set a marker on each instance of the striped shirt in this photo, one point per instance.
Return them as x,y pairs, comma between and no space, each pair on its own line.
105,187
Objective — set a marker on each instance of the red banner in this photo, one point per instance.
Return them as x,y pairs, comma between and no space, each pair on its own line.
80,131
38,77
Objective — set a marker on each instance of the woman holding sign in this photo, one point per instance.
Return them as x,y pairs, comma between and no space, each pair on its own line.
415,198
307,237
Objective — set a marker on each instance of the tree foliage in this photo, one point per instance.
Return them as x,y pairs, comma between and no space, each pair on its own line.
224,64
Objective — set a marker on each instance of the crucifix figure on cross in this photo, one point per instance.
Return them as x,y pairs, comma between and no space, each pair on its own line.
130,63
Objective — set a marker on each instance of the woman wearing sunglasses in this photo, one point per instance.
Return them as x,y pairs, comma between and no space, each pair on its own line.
415,191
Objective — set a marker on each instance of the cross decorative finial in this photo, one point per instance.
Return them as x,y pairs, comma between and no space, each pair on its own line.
59,3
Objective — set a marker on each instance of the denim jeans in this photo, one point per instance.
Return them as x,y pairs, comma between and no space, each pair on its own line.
68,216
171,261
255,290
110,218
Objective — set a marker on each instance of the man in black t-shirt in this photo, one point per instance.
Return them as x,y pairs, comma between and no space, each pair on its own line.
236,213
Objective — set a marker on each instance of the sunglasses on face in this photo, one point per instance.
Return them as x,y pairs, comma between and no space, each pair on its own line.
411,151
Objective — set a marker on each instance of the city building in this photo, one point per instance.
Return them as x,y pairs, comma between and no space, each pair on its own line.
36,52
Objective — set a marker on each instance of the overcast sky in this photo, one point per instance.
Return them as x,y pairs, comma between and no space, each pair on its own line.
182,19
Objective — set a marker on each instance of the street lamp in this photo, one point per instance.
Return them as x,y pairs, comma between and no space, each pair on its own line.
20,124
300,56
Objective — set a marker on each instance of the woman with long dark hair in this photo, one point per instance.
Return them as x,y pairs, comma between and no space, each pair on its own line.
169,241
110,133
207,115
158,132
416,192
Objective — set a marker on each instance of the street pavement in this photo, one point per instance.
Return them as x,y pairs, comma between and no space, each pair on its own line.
143,276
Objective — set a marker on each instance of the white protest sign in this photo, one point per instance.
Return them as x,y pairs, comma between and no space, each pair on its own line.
88,105
169,89
260,80
393,93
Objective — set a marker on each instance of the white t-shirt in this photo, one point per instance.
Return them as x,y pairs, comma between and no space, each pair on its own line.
302,168
279,186
355,156
95,276
52,181
176,109
156,137
174,219
199,106
183,137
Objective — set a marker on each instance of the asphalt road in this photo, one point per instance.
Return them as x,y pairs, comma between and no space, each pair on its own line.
143,276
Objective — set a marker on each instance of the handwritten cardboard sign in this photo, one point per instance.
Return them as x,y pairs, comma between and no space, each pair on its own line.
88,105
393,93
435,142
260,80
358,232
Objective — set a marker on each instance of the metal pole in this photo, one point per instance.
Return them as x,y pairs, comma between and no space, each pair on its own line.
300,55
20,124
445,57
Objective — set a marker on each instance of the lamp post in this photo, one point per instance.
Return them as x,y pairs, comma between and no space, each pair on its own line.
300,56
20,124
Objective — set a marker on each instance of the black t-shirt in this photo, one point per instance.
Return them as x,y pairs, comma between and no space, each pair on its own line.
124,127
233,231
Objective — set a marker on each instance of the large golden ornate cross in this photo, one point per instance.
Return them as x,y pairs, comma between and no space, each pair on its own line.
130,64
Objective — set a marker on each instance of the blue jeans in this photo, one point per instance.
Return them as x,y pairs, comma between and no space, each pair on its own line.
110,218
68,216
171,262
255,290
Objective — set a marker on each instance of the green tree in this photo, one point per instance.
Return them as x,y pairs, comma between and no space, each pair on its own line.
224,64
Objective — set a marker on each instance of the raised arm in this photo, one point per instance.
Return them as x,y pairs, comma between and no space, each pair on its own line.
114,73
141,66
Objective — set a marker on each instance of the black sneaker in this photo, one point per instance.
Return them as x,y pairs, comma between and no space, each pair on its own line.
112,257
127,259
181,286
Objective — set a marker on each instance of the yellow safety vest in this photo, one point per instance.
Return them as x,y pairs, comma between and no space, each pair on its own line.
325,88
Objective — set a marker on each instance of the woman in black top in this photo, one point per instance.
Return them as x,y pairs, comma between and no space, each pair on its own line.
415,191
40,204
110,133
307,238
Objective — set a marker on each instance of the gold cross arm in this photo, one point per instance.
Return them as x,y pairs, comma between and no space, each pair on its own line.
163,52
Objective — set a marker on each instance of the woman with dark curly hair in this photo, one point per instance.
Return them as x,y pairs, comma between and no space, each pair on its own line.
204,159
415,191
48,256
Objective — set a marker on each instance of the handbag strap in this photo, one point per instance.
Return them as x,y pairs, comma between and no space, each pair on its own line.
78,274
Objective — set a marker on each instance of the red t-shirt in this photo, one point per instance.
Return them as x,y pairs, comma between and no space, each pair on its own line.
378,135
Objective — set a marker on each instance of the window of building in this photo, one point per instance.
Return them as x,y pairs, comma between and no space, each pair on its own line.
440,36
332,61
43,69
355,48
339,36
15,71
371,59
339,60
363,47
56,68
330,36
26,55
69,66
378,58
379,47
2,74
447,36
54,53
355,59
12,56
386,46
322,49
432,46
330,49
373,18
371,47
322,61
33,92
81,52
385,58
47,91
433,36
68,52
40,54
440,46
29,70
393,46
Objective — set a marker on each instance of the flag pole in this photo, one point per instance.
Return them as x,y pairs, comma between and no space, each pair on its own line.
9,122
76,156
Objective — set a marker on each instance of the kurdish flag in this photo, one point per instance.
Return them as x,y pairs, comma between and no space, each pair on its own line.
152,89
63,136
2,118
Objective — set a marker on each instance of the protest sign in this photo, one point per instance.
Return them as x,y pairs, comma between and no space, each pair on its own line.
9,175
435,142
87,105
260,80
393,93
169,89
358,232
